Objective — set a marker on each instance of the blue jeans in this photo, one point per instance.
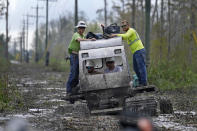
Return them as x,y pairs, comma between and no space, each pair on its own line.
139,65
73,78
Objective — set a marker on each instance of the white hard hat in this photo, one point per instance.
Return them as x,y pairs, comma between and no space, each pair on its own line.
89,63
81,24
110,59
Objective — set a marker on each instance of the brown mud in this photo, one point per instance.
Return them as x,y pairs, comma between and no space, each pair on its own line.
41,91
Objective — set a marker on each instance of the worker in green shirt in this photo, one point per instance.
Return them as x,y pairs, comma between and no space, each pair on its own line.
138,51
73,50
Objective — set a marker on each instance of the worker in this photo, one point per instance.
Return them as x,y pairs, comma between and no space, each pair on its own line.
137,49
73,50
90,68
110,63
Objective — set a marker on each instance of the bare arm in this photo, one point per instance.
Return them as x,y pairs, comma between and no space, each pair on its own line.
113,35
81,39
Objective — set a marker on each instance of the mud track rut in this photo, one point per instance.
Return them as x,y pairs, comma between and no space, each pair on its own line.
41,91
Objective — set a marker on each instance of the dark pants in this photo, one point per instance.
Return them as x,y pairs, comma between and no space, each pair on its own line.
73,79
139,65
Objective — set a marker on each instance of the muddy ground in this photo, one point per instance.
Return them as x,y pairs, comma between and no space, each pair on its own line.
39,102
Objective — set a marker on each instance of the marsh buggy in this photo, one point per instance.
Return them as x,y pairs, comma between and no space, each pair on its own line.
113,92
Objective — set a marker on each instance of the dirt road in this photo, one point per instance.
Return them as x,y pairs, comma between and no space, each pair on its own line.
41,90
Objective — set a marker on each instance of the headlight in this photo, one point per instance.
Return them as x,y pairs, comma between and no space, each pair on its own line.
85,55
117,51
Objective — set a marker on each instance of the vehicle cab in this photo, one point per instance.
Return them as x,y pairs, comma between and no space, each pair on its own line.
98,52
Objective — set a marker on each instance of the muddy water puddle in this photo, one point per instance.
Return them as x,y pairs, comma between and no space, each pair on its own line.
169,121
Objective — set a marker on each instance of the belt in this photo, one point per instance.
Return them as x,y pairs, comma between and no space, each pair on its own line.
74,52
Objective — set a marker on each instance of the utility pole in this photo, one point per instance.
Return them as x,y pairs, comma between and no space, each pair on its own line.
147,31
27,37
46,41
23,40
46,44
105,11
76,12
27,28
7,39
15,44
37,19
20,38
21,48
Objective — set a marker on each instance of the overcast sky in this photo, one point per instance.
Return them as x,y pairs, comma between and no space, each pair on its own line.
19,8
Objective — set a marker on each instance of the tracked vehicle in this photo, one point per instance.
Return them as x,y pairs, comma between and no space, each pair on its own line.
113,92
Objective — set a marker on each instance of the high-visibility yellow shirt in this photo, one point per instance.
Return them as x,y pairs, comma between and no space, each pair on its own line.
133,40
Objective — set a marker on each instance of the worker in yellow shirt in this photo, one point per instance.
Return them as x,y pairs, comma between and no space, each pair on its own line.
137,49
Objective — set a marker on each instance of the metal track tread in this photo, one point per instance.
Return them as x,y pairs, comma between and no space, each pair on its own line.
107,111
142,104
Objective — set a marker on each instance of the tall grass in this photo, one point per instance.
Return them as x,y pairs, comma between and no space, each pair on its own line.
8,93
4,96
59,65
170,75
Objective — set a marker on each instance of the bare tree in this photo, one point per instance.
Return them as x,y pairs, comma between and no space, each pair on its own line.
133,14
105,11
154,12
148,8
192,27
169,30
161,28
7,39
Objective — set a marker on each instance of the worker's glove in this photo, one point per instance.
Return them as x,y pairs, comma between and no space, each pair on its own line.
67,58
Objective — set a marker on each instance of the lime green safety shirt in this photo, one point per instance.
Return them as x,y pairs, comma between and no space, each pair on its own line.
133,40
74,44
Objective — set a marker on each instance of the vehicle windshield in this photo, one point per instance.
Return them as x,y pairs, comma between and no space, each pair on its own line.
103,65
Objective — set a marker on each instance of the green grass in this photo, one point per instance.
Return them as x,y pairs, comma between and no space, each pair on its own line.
4,99
10,97
56,64
4,65
59,65
169,76
165,75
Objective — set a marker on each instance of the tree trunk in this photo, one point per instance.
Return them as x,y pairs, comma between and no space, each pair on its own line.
7,39
123,6
161,30
133,14
147,39
142,21
76,12
169,30
105,11
154,12
192,27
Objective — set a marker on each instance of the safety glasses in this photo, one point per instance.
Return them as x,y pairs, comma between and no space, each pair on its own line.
123,26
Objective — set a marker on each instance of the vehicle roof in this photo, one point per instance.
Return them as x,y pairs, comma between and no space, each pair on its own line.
116,41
